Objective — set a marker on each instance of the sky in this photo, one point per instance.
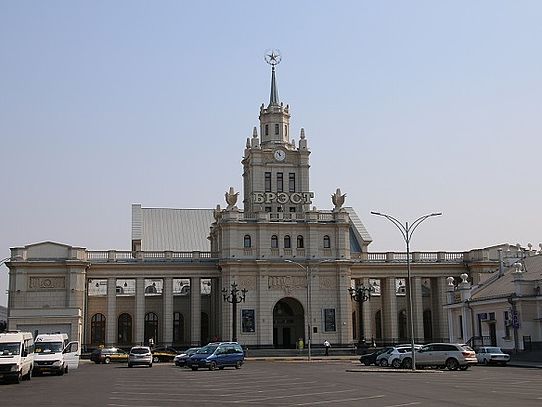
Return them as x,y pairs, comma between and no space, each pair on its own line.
409,107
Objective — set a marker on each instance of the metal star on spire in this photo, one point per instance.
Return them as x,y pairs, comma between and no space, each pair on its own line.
273,57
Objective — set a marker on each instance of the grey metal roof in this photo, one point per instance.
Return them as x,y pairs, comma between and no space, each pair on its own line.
357,227
172,229
503,286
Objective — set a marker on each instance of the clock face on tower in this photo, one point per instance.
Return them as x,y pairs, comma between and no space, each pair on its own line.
279,155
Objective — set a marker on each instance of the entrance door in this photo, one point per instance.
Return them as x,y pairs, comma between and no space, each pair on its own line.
493,334
288,323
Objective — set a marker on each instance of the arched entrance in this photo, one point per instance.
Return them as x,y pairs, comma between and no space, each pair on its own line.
288,323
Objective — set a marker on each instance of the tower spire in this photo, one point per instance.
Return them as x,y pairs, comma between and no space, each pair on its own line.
273,58
274,99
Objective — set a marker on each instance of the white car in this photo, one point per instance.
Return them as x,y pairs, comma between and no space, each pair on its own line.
492,355
395,359
140,355
385,359
452,356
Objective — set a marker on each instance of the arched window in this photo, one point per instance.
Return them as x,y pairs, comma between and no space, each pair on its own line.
151,327
327,242
124,329
300,244
97,329
178,327
274,242
151,289
247,242
287,242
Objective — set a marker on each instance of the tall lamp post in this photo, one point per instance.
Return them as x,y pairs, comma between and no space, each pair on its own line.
307,270
407,230
361,294
2,261
234,296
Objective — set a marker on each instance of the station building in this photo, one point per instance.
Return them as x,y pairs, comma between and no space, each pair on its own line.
289,264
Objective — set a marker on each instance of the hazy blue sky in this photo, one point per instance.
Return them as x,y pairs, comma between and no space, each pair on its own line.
409,107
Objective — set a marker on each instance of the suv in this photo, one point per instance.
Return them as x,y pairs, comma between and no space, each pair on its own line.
217,355
453,356
140,355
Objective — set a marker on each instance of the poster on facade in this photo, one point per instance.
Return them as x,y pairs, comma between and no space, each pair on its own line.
248,320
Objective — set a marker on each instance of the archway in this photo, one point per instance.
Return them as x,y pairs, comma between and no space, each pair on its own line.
288,323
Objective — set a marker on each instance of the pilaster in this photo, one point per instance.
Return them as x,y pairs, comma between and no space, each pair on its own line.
389,310
195,311
111,319
140,311
167,298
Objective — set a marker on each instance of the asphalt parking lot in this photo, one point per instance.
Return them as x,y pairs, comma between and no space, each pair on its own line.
265,383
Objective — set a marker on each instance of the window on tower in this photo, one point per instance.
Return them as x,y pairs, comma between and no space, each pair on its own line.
274,242
280,182
267,130
291,182
300,244
277,129
267,184
286,130
327,242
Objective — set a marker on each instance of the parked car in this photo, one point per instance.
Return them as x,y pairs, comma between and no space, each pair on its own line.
453,356
164,354
108,355
394,359
384,358
180,359
217,355
492,355
140,355
370,358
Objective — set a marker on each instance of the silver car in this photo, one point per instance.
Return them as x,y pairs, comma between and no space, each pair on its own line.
453,356
140,355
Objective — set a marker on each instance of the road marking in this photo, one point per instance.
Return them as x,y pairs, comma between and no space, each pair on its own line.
339,401
289,396
414,403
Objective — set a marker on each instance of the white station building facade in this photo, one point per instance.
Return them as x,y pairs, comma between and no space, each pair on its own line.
292,264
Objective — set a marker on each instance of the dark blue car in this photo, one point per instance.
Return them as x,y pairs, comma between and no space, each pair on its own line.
217,356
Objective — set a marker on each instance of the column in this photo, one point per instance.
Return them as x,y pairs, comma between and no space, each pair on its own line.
367,325
195,311
140,311
167,301
440,315
345,308
111,319
214,317
417,308
389,310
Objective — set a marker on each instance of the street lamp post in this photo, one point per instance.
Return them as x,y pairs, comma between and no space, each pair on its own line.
407,230
234,296
361,294
309,300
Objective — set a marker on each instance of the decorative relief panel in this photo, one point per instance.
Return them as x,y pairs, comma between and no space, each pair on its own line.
328,283
44,283
247,282
287,283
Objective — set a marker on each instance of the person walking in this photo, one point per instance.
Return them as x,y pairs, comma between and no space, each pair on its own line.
327,345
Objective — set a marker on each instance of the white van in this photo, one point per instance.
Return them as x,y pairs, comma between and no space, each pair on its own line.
16,355
54,354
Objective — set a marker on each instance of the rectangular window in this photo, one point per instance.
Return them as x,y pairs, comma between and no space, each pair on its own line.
292,209
268,209
461,326
329,320
280,182
277,129
248,320
291,182
267,182
267,130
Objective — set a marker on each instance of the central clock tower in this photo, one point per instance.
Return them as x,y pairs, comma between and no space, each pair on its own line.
275,170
